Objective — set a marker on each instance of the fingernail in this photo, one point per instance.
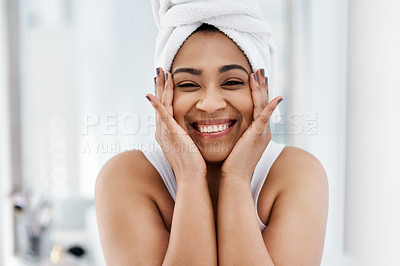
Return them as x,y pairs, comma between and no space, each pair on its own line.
263,72
255,76
166,76
266,80
158,71
147,97
280,100
155,80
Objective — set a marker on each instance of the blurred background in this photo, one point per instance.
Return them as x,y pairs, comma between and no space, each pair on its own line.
73,75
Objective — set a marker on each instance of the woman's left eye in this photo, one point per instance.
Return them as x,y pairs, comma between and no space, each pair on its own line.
233,83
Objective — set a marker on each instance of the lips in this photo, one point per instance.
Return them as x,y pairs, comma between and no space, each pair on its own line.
212,128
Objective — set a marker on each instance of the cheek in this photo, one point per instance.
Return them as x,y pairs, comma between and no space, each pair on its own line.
243,103
247,114
181,106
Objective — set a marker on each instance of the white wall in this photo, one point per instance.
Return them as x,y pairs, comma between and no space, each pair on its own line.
2,137
5,162
326,95
317,96
373,133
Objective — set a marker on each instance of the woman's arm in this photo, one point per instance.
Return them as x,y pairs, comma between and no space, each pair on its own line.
193,236
240,241
296,227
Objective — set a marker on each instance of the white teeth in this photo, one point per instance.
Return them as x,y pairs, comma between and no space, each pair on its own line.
213,128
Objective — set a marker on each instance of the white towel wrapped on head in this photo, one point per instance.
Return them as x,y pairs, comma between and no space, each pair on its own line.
241,20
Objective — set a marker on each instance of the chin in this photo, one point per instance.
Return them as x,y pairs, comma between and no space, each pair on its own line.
215,153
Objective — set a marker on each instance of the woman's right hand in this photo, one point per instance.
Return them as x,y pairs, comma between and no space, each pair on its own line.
179,149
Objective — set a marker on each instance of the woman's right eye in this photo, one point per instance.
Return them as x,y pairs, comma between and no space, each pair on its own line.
188,87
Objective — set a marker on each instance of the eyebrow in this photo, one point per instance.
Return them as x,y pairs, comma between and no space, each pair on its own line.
198,72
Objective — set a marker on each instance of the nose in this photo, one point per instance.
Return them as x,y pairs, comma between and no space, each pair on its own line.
211,101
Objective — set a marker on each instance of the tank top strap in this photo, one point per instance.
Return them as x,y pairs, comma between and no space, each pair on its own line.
157,158
260,173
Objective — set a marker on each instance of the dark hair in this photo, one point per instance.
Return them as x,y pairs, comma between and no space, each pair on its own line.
206,28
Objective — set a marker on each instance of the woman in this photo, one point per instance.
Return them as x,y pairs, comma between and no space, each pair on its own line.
213,129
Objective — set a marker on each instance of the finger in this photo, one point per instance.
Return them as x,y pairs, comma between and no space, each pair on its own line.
168,94
257,95
267,89
164,117
259,125
159,84
263,81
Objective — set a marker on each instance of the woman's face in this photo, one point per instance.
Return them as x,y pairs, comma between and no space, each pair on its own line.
212,96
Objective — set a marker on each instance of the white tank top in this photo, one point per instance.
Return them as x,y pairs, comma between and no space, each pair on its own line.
157,159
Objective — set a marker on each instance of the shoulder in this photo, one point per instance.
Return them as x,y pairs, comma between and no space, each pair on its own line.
295,174
297,167
129,169
128,215
128,175
127,159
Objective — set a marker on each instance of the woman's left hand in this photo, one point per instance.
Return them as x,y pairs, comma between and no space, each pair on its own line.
244,157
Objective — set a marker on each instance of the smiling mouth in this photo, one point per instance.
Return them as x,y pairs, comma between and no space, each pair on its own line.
212,128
